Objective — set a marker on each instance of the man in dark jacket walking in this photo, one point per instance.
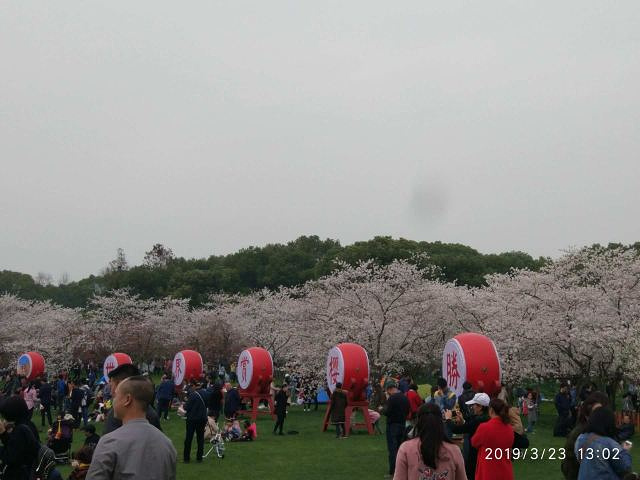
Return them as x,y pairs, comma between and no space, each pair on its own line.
337,408
396,411
196,420
76,402
165,393
45,395
282,399
563,407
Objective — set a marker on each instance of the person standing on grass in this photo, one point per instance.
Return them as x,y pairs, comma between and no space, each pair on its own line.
414,401
281,402
479,407
232,403
467,394
165,395
430,454
570,465
215,399
46,398
136,449
396,410
493,436
563,407
337,407
531,403
196,421
600,456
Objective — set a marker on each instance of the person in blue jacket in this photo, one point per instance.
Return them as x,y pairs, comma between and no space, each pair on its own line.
600,456
165,394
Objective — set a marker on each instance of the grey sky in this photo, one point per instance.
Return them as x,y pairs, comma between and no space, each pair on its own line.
211,126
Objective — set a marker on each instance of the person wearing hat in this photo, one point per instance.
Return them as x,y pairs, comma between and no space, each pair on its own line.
479,407
396,410
116,376
91,437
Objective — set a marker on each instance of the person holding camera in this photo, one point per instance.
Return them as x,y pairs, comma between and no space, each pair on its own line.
479,406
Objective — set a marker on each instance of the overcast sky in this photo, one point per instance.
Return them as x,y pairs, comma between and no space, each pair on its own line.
212,126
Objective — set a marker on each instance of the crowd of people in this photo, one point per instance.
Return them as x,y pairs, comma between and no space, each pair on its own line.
422,434
444,435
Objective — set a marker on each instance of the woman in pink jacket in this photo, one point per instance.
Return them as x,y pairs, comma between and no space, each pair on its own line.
30,395
431,454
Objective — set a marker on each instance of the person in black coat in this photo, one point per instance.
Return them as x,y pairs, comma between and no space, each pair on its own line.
626,430
281,400
232,403
215,399
45,395
20,444
196,420
563,407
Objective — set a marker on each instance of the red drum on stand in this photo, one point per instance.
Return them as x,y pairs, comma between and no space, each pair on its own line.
114,361
31,365
255,371
348,363
187,365
473,358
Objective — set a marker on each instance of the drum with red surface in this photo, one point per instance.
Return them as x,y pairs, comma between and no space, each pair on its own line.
187,365
348,363
114,361
255,371
31,365
473,358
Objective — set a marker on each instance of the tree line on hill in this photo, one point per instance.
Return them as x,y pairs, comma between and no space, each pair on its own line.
275,265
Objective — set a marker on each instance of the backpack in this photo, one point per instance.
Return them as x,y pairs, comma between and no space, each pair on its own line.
44,464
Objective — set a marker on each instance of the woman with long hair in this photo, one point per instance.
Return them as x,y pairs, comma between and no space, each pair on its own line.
570,465
494,440
430,454
600,456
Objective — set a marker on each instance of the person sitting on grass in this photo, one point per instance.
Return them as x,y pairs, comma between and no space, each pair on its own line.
91,437
232,430
81,463
250,432
626,430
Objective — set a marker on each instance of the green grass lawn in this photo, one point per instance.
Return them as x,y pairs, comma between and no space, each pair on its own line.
315,455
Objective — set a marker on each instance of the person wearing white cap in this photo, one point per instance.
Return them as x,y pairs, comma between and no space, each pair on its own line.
479,406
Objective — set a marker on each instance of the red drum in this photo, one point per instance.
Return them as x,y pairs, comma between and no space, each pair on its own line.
348,363
31,365
473,358
187,365
255,371
113,361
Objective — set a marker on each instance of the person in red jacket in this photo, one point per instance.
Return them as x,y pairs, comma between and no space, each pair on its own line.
494,440
414,401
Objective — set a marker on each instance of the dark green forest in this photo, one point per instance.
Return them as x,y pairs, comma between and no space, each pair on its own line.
271,266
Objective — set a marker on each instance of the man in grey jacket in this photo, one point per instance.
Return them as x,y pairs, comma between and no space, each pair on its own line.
137,449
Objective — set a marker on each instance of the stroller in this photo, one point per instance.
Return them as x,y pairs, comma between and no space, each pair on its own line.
214,436
60,439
